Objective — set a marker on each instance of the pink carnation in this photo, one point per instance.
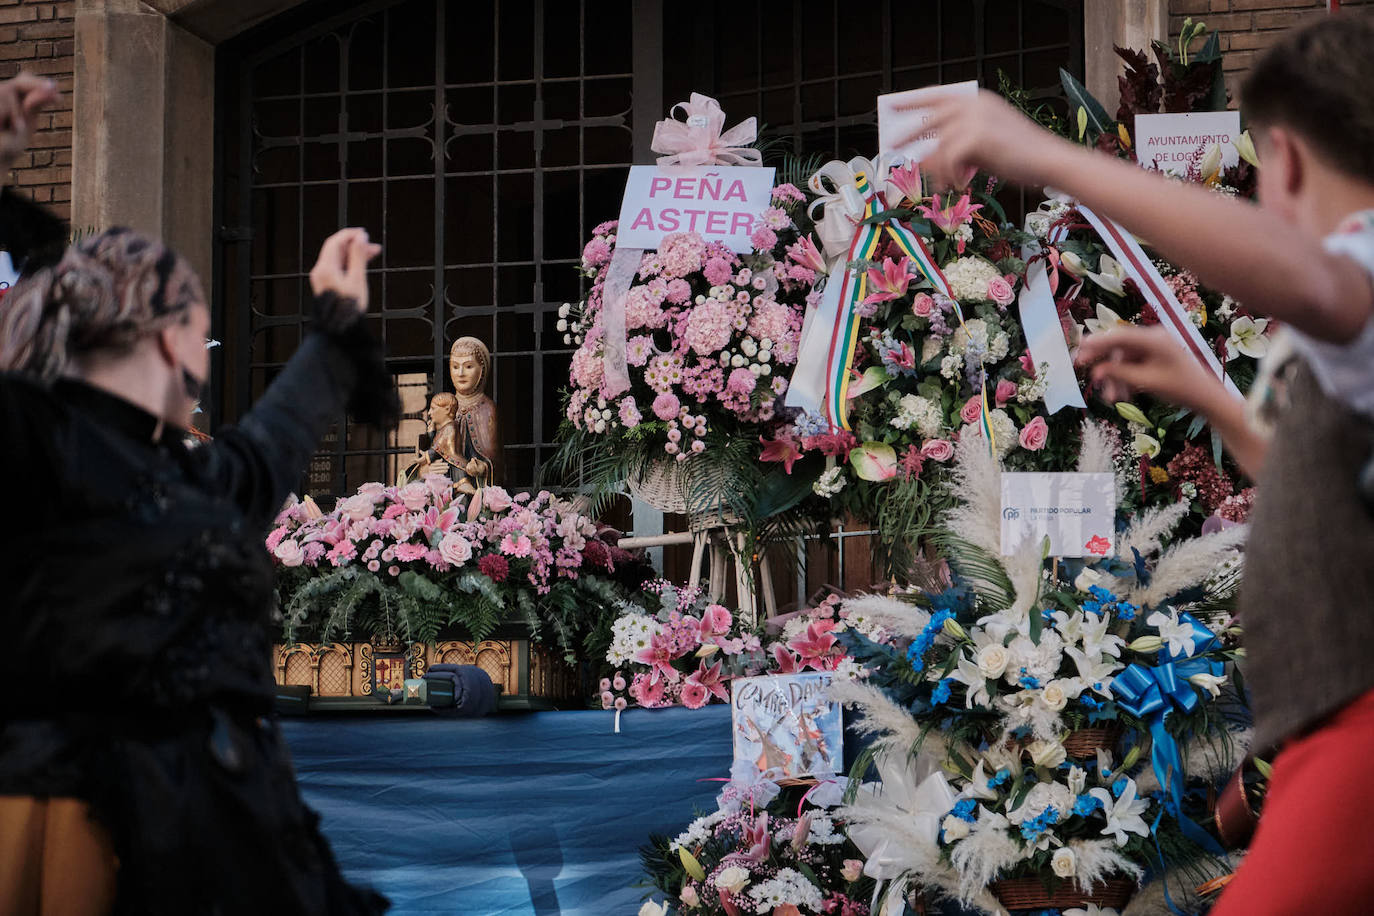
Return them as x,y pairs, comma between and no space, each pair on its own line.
666,406
741,381
679,291
342,552
717,272
597,252
275,537
763,239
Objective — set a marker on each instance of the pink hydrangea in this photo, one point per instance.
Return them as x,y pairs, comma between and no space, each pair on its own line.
708,328
770,321
641,311
681,253
587,369
666,406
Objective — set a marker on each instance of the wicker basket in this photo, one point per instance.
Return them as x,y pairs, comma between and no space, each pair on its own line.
1083,743
1030,894
663,488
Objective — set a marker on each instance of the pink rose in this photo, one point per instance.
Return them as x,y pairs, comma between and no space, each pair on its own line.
455,549
972,409
1005,392
923,306
289,553
374,490
413,496
495,499
666,406
999,291
1035,434
938,449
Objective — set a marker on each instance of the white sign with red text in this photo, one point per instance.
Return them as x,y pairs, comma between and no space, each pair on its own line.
720,202
1171,142
902,131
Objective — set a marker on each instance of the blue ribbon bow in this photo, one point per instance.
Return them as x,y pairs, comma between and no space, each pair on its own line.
1152,694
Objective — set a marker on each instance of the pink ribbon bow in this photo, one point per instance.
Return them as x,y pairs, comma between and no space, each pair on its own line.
698,140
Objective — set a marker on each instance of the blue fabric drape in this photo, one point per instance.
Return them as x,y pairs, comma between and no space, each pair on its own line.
536,814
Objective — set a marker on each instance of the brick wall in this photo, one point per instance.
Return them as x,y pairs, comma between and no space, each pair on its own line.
1248,27
38,37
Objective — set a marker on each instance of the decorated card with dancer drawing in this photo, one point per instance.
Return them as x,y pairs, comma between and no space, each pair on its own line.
786,726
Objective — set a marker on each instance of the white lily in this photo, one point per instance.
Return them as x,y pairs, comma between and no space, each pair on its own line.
1106,320
978,785
1073,264
1122,814
1208,682
1247,336
1110,275
1095,670
969,674
1077,780
1180,637
1096,638
1211,163
1145,446
1246,147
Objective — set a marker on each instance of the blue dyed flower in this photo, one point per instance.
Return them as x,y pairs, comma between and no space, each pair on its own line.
941,692
1085,805
1119,786
1100,593
1000,778
1125,610
965,810
1090,702
1093,607
1028,682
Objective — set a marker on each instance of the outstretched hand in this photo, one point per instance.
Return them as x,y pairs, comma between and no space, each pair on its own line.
1129,360
21,100
979,132
342,266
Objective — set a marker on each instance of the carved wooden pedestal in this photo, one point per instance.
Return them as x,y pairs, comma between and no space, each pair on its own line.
342,675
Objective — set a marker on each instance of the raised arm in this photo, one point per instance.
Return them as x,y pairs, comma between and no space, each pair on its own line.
1252,254
259,461
32,235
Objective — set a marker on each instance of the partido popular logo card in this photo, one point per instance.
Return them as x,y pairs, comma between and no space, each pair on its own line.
720,202
786,727
1077,512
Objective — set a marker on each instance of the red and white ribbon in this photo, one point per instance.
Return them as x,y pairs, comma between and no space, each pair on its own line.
1172,314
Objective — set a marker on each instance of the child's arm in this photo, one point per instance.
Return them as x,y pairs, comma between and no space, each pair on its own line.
1233,246
1149,359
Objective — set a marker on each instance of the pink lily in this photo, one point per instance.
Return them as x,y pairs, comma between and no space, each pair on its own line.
903,357
785,448
907,179
659,656
814,645
888,282
758,838
951,216
805,253
710,679
787,662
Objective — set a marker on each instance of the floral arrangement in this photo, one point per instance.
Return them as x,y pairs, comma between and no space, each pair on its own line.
686,651
781,852
1070,717
406,561
711,339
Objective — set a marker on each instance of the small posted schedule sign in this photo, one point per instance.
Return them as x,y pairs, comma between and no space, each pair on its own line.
1077,512
720,202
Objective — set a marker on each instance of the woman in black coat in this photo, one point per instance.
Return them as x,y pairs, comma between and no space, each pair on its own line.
140,771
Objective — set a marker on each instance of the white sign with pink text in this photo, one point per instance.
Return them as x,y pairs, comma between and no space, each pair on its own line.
902,127
1172,142
720,202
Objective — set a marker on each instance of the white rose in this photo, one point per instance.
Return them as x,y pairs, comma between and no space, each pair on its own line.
1047,753
733,879
1054,695
650,908
289,553
955,829
992,660
1064,862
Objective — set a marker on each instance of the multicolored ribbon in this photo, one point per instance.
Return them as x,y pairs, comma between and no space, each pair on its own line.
844,334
